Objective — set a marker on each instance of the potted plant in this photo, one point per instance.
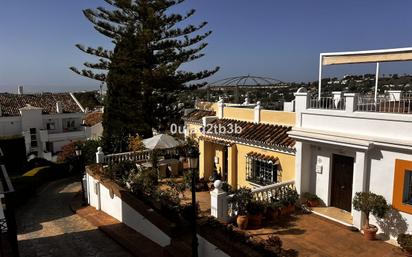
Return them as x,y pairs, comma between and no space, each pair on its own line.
288,201
240,201
311,200
405,242
272,209
368,203
255,210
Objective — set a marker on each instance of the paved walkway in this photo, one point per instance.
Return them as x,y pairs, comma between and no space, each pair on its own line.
315,237
47,227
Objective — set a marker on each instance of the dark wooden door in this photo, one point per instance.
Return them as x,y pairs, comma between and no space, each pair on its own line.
342,180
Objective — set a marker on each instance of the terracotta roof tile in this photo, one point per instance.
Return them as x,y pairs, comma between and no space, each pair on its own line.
11,103
197,115
266,134
93,118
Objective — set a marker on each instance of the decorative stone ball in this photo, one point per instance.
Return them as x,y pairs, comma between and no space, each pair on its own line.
99,149
217,184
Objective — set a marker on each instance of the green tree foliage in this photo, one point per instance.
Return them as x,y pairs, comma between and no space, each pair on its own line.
151,44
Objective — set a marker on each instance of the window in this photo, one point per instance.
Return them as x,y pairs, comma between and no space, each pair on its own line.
407,188
262,170
50,126
402,186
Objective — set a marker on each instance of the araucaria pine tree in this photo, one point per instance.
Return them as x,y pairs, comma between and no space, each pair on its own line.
143,69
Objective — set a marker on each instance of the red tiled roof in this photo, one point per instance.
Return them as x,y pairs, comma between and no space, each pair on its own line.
254,133
11,103
197,115
93,118
263,157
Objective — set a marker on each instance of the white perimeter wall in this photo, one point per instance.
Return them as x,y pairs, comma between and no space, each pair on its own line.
115,207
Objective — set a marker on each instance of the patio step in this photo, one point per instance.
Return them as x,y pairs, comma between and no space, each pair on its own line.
335,222
136,243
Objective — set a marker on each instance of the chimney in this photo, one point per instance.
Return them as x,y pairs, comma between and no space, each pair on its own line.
20,90
59,107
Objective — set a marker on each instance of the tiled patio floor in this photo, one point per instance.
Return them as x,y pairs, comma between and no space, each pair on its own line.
315,237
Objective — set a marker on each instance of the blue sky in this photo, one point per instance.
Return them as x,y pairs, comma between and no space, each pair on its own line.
280,39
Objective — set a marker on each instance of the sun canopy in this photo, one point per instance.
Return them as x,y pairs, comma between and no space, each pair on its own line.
161,141
369,56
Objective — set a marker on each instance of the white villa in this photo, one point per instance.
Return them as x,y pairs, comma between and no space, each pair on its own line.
348,143
47,121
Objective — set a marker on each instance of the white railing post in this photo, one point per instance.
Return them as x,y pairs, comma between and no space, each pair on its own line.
99,155
337,96
301,104
221,107
218,202
351,102
257,112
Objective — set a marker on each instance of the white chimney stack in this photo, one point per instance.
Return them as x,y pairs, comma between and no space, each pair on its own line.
20,90
59,107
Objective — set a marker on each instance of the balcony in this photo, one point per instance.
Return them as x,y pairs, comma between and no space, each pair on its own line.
386,117
79,134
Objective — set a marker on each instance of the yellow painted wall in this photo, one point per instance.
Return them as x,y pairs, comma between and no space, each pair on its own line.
194,129
287,163
244,114
206,155
277,117
210,106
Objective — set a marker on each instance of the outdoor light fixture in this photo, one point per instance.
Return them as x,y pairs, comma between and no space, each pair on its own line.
193,158
193,162
78,151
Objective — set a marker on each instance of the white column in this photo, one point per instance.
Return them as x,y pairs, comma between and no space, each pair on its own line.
301,104
302,167
320,76
395,95
257,112
337,96
360,183
99,155
376,82
220,109
351,102
218,202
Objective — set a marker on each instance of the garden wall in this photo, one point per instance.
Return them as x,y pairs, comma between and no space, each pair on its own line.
108,197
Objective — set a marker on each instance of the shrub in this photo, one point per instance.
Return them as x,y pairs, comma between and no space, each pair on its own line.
405,242
310,196
120,171
290,197
241,199
256,207
135,143
368,202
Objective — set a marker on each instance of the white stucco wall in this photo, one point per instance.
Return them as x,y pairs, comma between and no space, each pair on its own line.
10,126
120,210
382,163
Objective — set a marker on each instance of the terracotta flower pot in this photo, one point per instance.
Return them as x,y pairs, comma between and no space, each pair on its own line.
407,252
272,214
370,233
313,203
242,221
284,211
255,220
291,208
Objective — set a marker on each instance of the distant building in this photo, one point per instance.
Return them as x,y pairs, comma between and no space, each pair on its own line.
47,121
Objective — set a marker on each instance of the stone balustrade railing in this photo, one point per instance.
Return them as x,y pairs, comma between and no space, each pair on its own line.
275,191
219,199
119,157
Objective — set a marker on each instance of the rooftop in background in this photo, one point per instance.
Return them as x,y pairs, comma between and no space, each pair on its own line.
11,103
272,136
197,115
